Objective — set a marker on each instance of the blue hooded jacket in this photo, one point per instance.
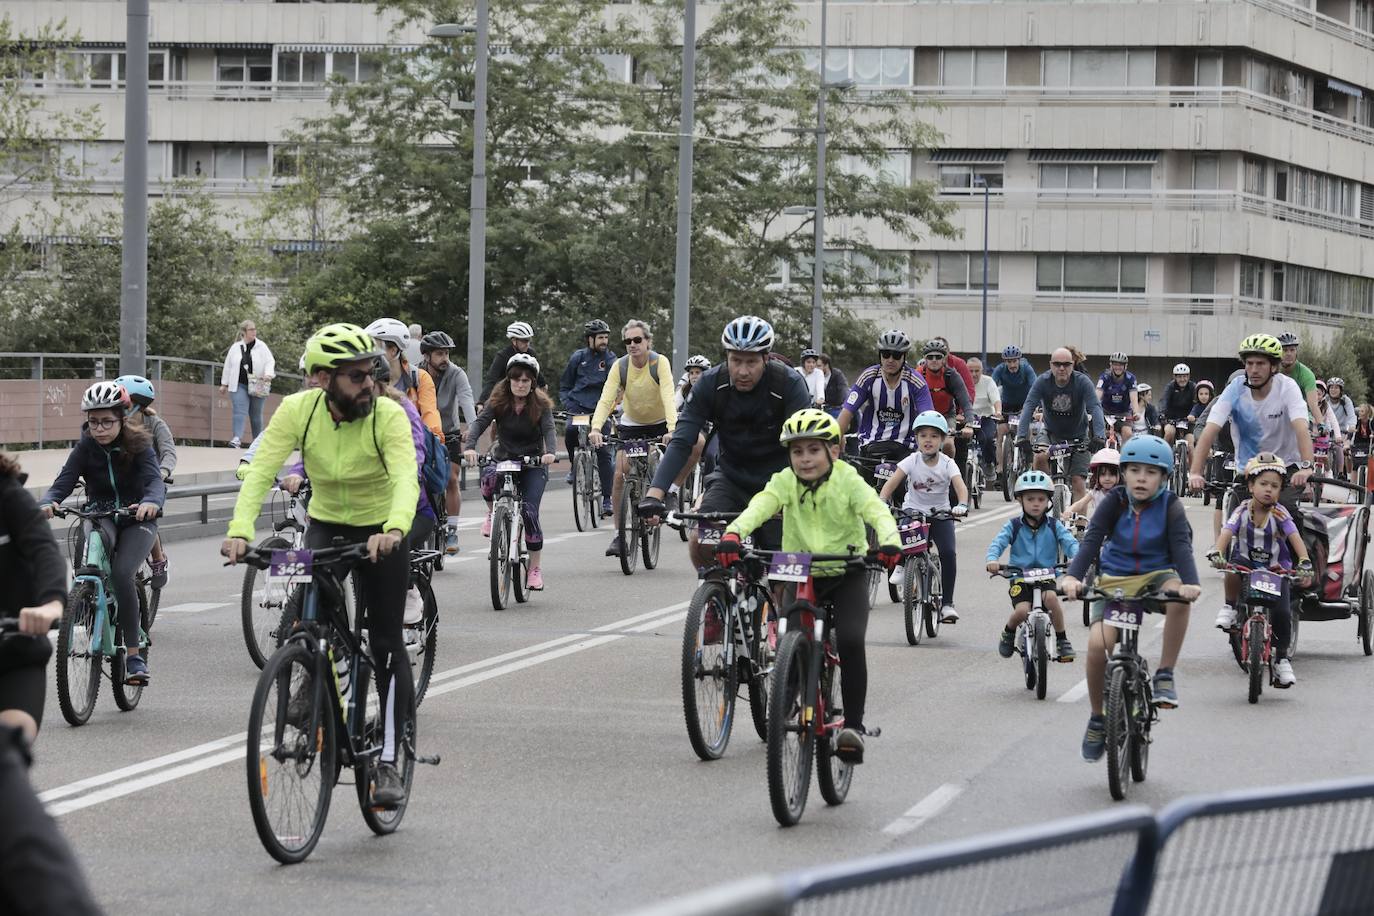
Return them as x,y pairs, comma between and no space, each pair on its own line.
580,386
1130,540
108,482
1033,547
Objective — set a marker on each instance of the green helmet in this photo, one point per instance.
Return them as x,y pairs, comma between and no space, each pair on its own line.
810,423
335,344
1261,345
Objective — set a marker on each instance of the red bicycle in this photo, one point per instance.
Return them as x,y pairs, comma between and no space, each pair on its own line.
1252,640
804,713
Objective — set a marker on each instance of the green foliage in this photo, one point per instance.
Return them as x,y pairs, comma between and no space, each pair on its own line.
1347,355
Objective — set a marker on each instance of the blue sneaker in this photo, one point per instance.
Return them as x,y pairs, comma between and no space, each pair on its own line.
451,542
1095,739
1006,646
1166,697
135,671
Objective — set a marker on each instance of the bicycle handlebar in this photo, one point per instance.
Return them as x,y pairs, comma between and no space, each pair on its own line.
1015,572
680,520
1294,575
1154,594
529,461
324,556
920,515
90,514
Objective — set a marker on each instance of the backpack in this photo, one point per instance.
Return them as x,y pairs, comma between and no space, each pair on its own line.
622,365
434,472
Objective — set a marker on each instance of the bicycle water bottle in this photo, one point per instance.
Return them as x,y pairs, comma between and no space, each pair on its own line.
339,660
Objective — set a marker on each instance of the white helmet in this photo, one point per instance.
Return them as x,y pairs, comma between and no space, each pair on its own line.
1182,369
391,331
1118,357
893,339
747,334
1143,388
106,395
519,330
523,359
698,362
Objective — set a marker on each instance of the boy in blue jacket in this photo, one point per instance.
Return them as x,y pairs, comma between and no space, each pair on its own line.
1035,540
1144,541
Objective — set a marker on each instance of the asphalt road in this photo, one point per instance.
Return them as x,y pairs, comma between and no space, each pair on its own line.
567,783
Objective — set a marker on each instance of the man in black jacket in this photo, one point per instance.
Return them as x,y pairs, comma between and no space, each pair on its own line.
520,333
836,386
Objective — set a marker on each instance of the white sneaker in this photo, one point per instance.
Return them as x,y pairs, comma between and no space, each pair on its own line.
1226,618
897,577
948,614
415,606
1283,674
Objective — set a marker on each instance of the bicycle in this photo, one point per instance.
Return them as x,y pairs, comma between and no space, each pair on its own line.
260,612
1252,639
586,488
422,637
881,468
89,633
509,559
1129,708
296,723
1060,455
729,638
922,588
974,476
805,713
1183,455
691,491
1033,634
1012,461
637,540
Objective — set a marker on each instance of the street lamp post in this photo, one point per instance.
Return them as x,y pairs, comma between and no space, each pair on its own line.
133,300
682,272
477,237
982,180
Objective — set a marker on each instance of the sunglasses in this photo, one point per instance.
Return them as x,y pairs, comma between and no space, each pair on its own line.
891,354
101,424
632,340
935,356
1061,365
358,376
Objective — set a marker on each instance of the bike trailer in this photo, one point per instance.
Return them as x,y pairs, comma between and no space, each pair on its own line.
1337,536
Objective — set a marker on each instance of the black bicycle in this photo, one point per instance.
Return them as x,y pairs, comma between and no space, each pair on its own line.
586,488
637,540
311,714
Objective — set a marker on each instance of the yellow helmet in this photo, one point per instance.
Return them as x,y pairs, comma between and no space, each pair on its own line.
1261,345
810,423
335,344
1266,461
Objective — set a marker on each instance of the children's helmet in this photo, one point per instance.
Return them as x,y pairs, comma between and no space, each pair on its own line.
1150,450
810,423
1105,458
934,419
1034,482
1266,461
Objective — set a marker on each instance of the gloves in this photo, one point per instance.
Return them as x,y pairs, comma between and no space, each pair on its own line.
727,551
959,511
888,555
1305,566
1216,559
1025,446
242,470
1096,445
651,508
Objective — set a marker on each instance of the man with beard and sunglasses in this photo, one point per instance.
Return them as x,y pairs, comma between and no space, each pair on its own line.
885,402
358,453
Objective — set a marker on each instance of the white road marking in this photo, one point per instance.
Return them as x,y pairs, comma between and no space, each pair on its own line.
924,809
192,607
137,768
1075,693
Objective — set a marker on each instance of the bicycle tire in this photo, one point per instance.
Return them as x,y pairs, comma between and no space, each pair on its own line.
126,696
1140,733
259,629
422,663
629,532
593,491
1254,657
913,604
1042,658
519,571
1365,625
579,489
383,821
789,774
833,775
78,671
1118,733
709,710
650,538
1088,579
933,591
762,651
499,560
293,667
438,542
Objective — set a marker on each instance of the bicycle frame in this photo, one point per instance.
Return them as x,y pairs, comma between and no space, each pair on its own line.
95,569
814,621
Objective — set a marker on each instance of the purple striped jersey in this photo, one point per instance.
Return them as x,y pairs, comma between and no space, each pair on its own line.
886,414
1263,547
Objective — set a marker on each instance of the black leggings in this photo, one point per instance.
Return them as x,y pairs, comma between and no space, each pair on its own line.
384,585
128,547
850,595
23,674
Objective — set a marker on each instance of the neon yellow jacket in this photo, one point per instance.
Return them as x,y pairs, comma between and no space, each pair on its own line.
362,472
829,521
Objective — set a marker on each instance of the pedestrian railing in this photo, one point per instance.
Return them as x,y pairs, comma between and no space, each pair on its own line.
1294,850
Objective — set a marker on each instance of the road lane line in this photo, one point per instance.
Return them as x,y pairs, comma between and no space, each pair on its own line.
146,782
1075,693
92,782
193,607
924,809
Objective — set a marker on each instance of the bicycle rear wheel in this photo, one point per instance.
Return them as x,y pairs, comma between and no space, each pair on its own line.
291,754
629,531
1042,657
422,640
790,736
1254,656
763,650
709,676
1118,733
78,668
382,821
499,558
260,606
1142,705
650,539
579,491
913,603
833,775
933,593
126,696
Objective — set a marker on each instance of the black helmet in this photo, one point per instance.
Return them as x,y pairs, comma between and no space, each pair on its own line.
436,340
594,327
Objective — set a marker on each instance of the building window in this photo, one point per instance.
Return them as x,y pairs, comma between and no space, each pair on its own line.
1089,177
239,162
1087,273
1251,278
102,69
1208,71
1098,69
865,66
1206,172
1256,177
957,270
237,67
894,168
968,179
981,67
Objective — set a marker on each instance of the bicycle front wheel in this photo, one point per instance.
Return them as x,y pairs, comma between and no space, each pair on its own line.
709,676
1118,711
629,532
260,606
500,558
1042,657
78,668
581,505
791,735
291,754
1255,657
913,604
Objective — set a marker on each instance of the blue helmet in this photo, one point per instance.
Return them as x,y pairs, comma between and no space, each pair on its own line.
139,388
1148,450
932,418
1034,481
1011,351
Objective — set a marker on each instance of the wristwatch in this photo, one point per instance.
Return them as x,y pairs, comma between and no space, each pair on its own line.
1304,465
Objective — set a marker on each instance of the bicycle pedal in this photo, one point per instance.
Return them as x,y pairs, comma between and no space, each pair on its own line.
873,732
429,761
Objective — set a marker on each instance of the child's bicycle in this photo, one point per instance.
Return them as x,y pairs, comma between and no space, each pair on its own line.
804,711
90,641
1129,706
1252,639
922,589
1035,634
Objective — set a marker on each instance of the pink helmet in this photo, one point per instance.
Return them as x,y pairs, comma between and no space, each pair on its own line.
1106,457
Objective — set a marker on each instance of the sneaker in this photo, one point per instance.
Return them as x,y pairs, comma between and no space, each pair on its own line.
1064,648
606,510
413,636
298,706
948,614
614,549
1166,697
1283,674
451,542
235,443
387,789
486,525
136,671
849,745
415,606
898,576
535,581
711,627
1006,644
1226,618
159,570
569,479
1095,739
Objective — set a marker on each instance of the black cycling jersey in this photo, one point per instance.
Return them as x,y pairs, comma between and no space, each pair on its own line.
1178,402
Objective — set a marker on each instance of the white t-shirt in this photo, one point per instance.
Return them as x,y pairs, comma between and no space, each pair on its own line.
815,384
927,486
1264,425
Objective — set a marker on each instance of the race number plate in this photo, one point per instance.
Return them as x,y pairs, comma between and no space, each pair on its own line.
975,424
914,536
1123,616
1013,419
708,534
1035,575
790,567
293,566
506,467
581,419
885,471
635,448
1266,583
1061,449
1229,464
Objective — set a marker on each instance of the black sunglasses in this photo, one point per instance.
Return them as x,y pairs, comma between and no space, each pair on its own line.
632,340
358,376
1061,365
935,356
892,354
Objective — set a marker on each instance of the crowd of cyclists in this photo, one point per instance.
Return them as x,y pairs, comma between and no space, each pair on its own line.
796,457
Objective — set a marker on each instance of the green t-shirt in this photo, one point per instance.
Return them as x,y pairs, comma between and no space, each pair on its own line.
1304,377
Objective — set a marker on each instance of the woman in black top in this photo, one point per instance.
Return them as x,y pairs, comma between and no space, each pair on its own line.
523,415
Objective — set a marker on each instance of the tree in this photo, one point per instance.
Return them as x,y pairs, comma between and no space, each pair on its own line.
582,187
1345,355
